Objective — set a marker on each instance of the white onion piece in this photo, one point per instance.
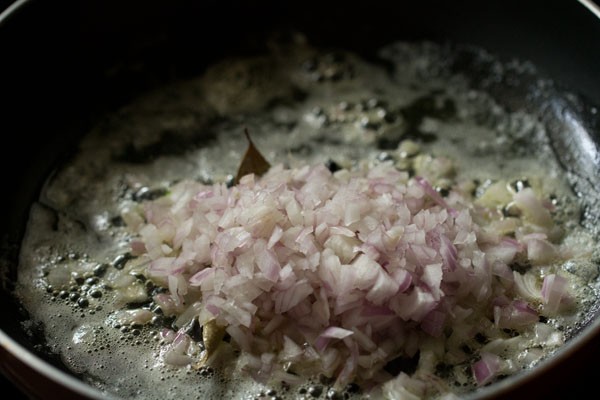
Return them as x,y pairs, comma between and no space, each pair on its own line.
486,368
333,332
532,208
554,290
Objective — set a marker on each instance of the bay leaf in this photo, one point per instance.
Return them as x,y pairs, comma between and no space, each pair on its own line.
253,162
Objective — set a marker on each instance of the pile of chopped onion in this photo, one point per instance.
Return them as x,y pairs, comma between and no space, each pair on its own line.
310,271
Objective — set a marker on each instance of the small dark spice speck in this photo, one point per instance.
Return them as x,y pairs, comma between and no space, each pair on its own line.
315,390
480,338
100,269
332,165
120,260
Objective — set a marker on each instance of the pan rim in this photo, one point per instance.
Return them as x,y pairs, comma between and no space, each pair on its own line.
590,332
47,370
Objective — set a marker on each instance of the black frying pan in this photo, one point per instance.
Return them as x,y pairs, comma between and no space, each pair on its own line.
63,64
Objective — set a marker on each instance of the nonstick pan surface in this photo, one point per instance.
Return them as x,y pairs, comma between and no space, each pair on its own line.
66,63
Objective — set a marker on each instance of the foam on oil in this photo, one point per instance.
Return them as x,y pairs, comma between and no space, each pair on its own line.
301,105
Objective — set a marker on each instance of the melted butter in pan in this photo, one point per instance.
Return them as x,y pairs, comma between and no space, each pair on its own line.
302,105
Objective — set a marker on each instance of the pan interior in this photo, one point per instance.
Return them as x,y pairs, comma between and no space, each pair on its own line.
498,119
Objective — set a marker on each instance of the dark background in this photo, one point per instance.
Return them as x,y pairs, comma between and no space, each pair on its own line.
7,389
